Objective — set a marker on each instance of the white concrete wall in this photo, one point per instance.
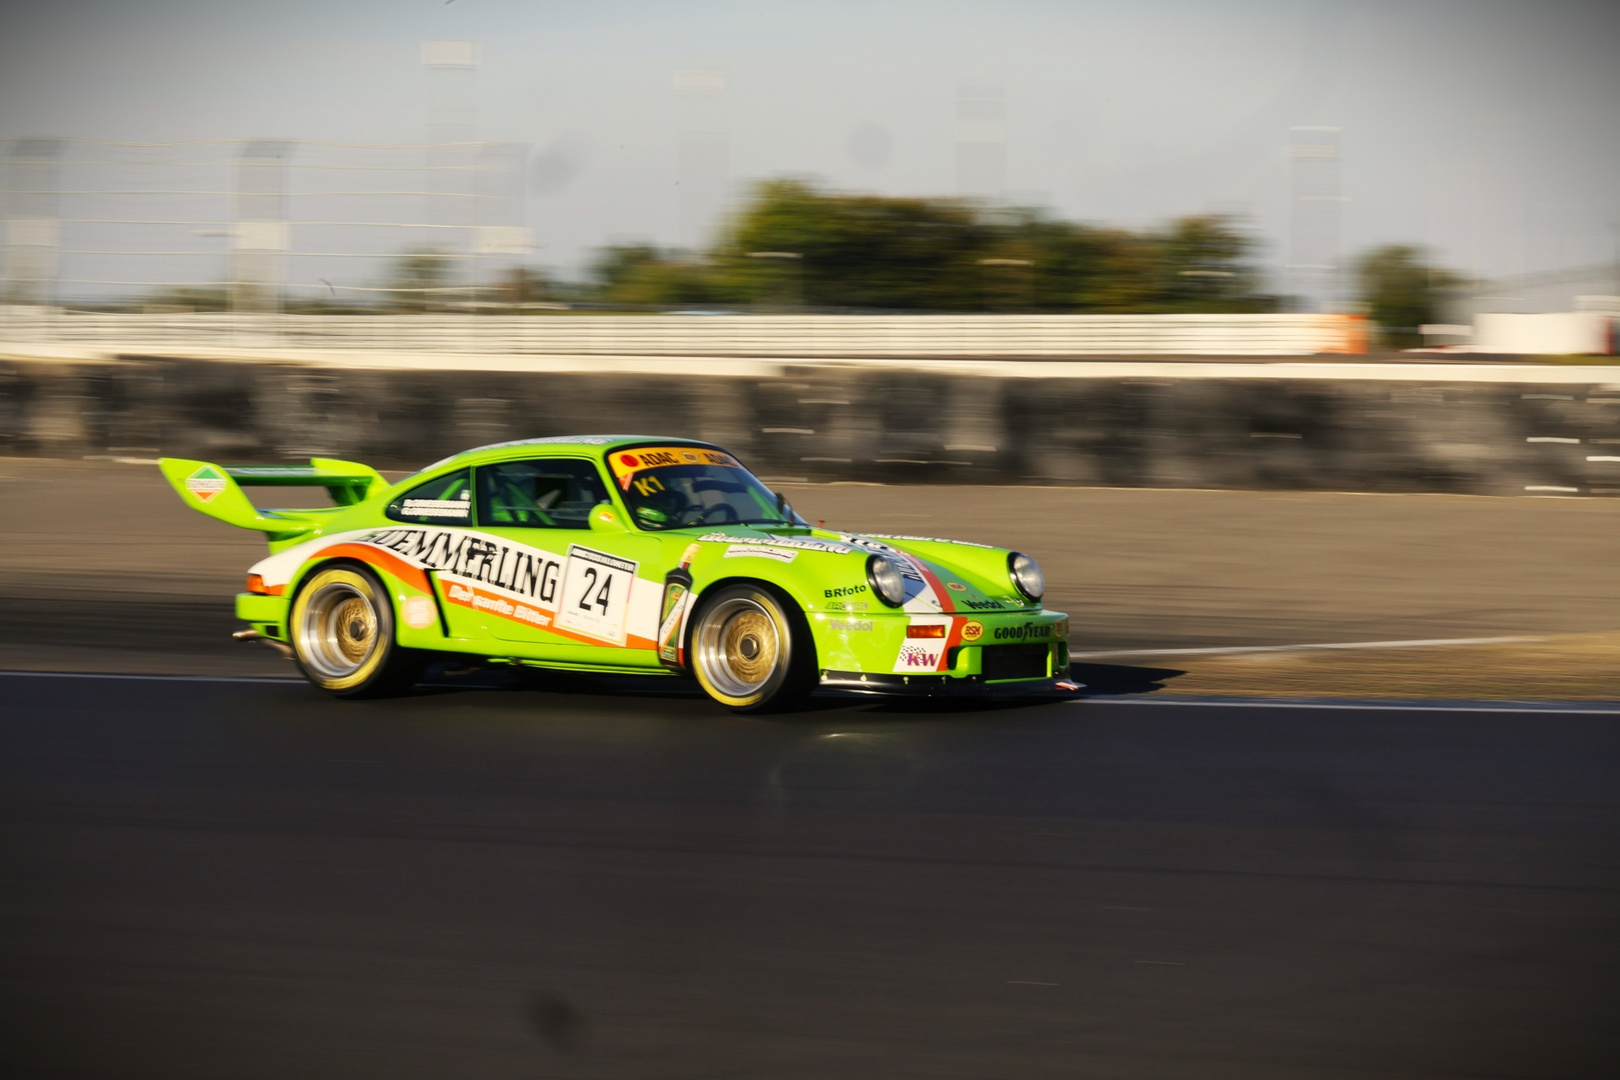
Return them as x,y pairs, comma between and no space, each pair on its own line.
1019,337
1557,333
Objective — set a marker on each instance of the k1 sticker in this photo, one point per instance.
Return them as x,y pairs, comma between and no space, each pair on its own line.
595,594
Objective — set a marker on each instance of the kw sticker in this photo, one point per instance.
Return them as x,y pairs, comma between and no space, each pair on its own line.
206,483
919,656
920,653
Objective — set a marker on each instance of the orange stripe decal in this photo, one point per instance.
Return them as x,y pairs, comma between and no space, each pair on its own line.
383,560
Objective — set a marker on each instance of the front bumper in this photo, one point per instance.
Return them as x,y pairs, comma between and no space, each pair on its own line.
945,686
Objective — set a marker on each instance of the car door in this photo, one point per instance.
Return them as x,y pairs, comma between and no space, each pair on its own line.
441,509
562,585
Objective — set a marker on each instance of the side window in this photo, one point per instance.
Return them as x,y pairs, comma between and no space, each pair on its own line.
444,501
546,493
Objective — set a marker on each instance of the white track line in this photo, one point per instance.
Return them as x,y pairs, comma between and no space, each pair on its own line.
1195,703
1232,649
1250,703
147,678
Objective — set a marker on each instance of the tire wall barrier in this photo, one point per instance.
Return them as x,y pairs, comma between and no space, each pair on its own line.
824,423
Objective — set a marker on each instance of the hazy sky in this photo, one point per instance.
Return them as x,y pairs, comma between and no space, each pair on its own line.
1490,131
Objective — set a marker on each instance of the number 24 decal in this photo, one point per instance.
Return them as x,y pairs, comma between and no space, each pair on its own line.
602,589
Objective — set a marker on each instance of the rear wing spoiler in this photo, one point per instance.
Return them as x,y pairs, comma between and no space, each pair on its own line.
216,490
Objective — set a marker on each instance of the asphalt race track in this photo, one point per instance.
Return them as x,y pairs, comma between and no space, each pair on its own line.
246,879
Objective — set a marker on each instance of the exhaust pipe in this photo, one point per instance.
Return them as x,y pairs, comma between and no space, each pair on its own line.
253,635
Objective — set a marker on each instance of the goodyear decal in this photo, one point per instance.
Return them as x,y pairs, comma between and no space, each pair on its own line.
1030,631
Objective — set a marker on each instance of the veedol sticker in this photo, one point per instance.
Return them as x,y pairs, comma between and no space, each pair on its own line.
205,483
744,551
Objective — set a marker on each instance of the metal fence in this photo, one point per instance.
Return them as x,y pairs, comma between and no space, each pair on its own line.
256,223
1030,337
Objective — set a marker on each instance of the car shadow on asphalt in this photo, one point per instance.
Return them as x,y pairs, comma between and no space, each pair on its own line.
1094,679
1122,678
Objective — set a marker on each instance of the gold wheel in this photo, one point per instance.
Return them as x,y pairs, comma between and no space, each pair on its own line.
742,647
341,628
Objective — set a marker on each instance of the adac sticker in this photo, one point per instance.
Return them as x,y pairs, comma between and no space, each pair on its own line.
205,483
626,463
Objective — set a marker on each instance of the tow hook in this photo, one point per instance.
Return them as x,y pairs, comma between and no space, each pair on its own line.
253,635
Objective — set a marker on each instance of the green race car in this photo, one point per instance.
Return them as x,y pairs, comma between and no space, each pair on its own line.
627,555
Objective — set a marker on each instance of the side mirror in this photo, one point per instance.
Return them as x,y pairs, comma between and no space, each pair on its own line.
786,512
604,518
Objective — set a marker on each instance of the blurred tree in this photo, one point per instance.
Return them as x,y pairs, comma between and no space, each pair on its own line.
527,285
1402,291
420,280
641,275
855,250
794,245
1203,266
187,298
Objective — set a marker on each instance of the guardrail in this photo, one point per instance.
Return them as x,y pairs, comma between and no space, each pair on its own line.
1023,337
1411,427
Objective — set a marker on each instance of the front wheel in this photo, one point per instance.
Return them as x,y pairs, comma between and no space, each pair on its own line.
751,649
342,630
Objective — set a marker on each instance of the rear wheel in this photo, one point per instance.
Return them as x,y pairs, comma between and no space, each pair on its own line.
751,649
342,630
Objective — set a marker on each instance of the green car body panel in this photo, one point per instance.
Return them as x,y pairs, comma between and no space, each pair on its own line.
598,589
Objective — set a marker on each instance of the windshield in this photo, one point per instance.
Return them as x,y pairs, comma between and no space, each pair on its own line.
679,487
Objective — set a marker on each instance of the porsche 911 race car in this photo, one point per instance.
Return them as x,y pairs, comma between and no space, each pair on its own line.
627,555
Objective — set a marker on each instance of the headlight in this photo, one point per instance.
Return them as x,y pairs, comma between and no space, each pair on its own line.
886,579
1026,576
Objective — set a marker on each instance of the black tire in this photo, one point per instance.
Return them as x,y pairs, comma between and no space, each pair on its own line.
341,626
751,649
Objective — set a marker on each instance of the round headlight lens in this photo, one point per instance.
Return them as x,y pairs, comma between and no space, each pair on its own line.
886,579
1026,576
